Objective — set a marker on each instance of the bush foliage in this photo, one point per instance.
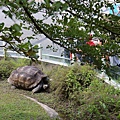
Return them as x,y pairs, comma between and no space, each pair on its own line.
7,66
68,80
83,96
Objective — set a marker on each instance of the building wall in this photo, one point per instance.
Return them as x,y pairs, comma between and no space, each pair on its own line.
40,39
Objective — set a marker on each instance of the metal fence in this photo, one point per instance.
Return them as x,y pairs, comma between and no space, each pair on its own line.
50,58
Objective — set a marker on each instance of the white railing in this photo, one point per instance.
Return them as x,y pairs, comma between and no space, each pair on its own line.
42,57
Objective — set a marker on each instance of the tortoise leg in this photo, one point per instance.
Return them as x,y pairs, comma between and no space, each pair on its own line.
13,87
36,89
45,86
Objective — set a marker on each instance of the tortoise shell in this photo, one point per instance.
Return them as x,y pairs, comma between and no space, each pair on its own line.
27,77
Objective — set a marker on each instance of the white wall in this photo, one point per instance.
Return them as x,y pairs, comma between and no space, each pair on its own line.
8,22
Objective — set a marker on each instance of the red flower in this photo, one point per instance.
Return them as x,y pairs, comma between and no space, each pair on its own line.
90,43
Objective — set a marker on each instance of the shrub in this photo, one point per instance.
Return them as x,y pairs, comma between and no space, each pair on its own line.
82,96
68,80
57,75
100,102
7,66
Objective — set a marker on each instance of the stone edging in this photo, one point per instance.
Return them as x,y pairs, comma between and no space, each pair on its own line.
51,112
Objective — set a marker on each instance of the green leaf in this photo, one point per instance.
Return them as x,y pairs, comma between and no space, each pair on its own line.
65,20
47,3
64,7
57,5
1,26
8,13
16,27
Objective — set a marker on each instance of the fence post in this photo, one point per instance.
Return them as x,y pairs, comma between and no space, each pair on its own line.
4,51
40,51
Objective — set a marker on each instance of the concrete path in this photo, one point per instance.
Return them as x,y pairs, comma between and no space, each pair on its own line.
108,80
51,112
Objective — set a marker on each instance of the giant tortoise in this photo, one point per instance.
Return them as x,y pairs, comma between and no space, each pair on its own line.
29,78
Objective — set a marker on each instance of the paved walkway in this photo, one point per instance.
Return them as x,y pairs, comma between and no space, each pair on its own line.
109,80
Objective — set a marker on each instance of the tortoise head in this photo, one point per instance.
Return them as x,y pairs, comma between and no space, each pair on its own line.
45,81
45,86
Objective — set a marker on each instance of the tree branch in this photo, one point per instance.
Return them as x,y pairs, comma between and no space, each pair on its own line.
38,28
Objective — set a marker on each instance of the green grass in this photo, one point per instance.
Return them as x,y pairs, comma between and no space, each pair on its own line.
14,106
90,99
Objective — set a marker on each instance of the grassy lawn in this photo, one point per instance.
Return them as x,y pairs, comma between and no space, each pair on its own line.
75,93
14,106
